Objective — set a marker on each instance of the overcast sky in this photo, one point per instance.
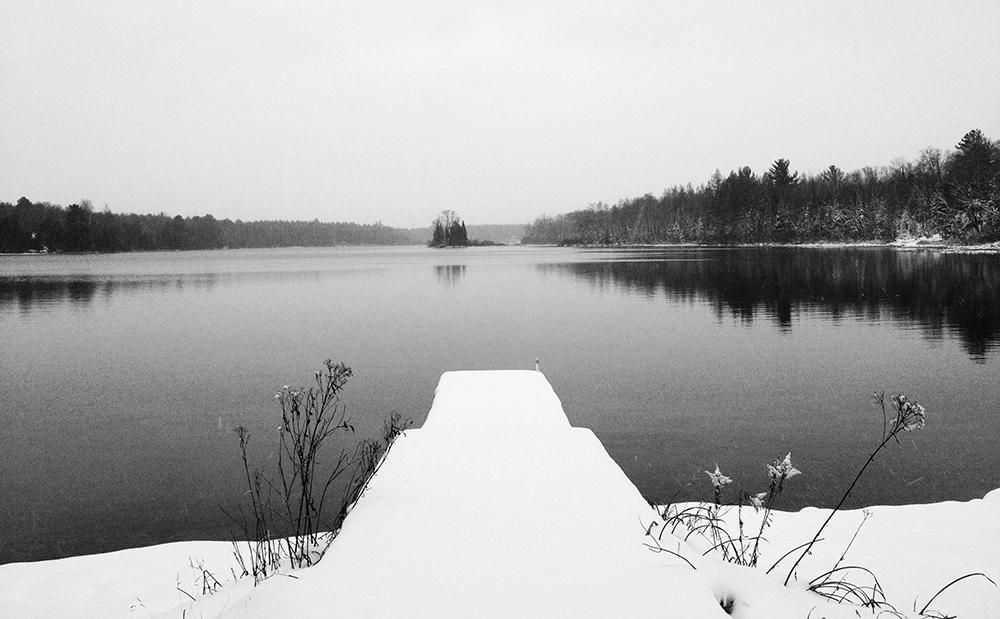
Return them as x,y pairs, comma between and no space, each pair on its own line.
501,111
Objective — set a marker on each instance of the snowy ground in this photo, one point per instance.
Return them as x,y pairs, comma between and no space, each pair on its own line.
912,550
514,513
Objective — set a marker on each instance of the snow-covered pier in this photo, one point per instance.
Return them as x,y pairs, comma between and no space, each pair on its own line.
497,507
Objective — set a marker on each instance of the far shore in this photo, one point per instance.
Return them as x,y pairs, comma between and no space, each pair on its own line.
905,244
901,244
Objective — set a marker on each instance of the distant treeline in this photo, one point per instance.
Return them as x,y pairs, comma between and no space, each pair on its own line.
956,195
39,226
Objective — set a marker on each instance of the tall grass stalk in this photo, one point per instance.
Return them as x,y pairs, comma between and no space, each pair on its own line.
909,416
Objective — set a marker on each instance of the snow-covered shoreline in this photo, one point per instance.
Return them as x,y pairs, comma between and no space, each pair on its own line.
932,244
913,550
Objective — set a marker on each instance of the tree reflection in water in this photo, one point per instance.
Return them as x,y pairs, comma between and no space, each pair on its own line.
937,292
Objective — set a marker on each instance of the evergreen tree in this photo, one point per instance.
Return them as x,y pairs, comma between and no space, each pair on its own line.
779,176
455,234
974,167
78,227
437,239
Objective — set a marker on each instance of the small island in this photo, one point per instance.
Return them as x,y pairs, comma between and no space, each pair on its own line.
449,231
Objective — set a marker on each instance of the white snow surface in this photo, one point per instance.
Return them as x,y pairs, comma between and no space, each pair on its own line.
497,507
502,398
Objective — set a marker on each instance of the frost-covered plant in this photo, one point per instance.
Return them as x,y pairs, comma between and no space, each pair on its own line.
308,418
719,481
908,416
288,516
706,520
712,525
778,473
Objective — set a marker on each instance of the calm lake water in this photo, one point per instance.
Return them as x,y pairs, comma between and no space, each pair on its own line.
123,376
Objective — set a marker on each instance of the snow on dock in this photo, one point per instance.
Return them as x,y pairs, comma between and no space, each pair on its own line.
496,507
501,398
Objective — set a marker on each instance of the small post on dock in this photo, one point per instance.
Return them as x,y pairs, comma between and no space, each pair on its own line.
536,364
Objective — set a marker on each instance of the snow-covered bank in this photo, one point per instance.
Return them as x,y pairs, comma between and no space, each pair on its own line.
913,549
513,513
904,243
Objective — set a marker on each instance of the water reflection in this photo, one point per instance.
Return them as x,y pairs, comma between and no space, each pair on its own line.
934,291
449,274
28,293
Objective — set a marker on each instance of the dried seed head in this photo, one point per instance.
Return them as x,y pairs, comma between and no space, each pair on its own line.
718,479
